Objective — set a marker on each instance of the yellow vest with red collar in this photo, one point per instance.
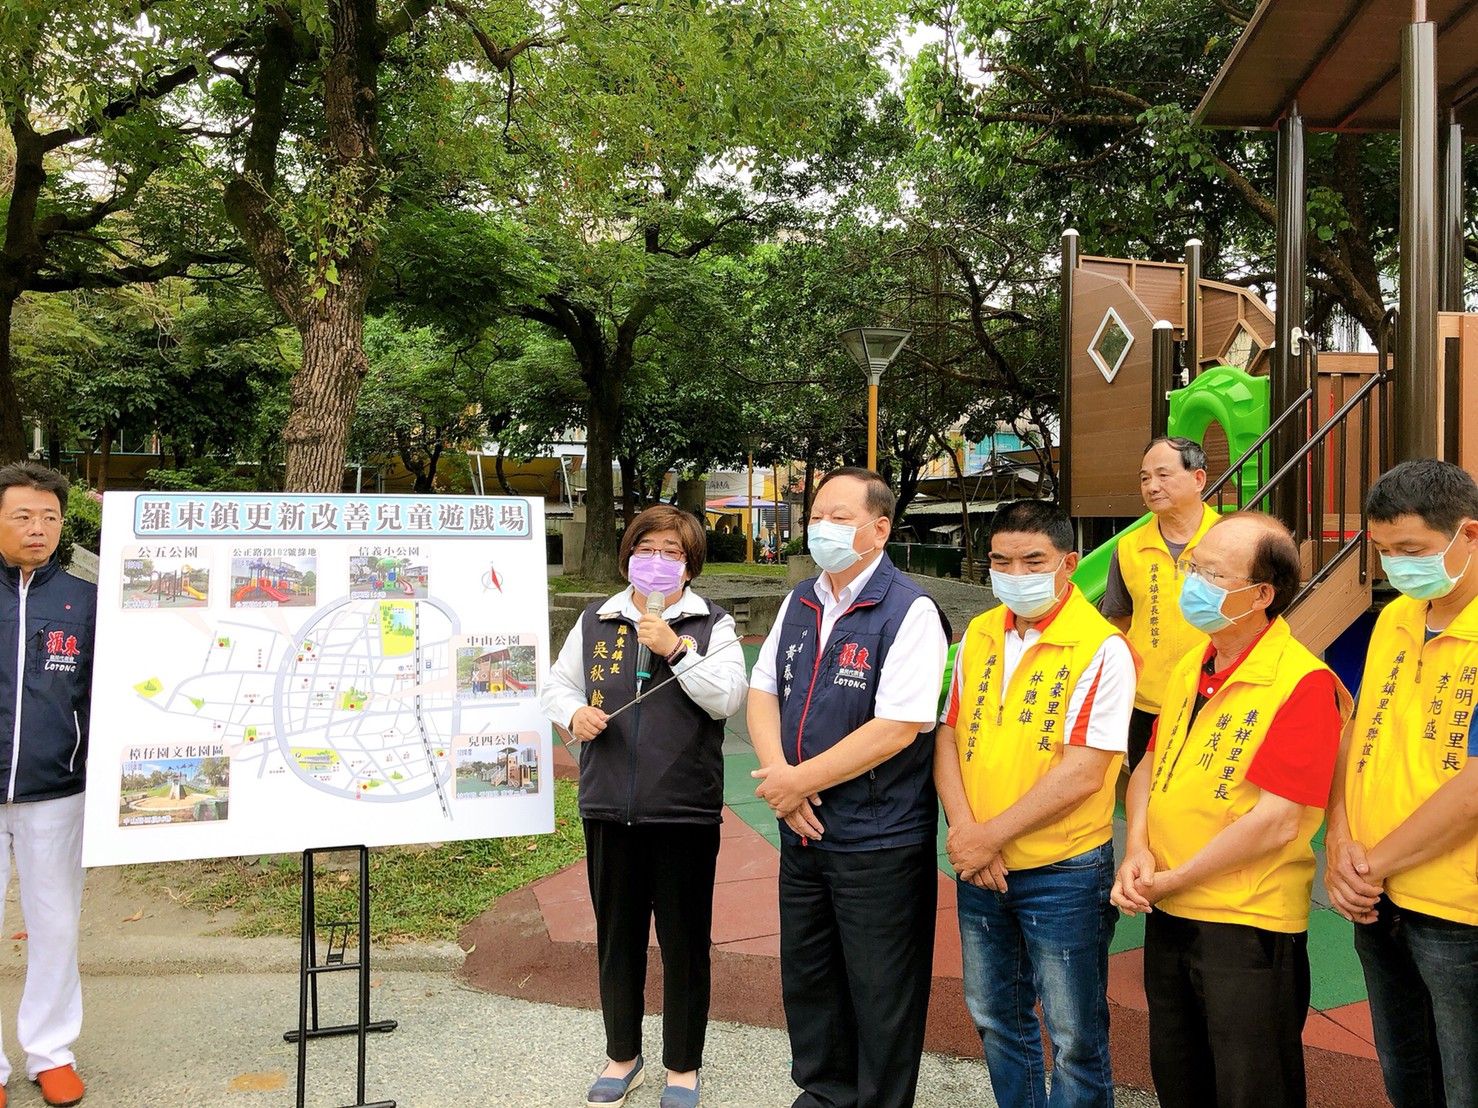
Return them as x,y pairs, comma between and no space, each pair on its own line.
1009,738
1410,738
1199,786
1158,632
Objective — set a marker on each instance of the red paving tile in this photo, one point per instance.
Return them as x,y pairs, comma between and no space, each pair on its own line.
570,883
1354,1018
1324,1033
947,945
743,857
569,921
948,888
734,826
1126,980
745,910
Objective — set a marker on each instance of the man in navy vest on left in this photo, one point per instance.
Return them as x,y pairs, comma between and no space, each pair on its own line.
841,703
47,621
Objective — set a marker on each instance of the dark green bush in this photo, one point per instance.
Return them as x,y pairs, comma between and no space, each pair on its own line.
725,546
84,522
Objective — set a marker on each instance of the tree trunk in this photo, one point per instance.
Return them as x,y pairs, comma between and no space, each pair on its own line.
630,493
326,387
12,427
598,562
806,497
103,456
502,477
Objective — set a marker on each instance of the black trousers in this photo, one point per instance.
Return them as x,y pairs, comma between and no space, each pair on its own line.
1227,1010
1141,723
661,870
856,963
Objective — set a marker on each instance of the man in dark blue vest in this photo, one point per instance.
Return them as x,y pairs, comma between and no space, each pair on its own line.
845,687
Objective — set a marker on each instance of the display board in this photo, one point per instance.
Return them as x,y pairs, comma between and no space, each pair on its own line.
279,672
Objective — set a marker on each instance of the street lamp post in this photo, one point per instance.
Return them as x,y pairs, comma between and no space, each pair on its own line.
750,442
874,349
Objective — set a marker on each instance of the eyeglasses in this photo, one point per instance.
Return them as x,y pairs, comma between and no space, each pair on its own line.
665,555
25,519
1191,569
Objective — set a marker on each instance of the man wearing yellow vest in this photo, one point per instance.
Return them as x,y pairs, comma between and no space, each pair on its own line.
1222,814
1025,762
1402,845
1142,592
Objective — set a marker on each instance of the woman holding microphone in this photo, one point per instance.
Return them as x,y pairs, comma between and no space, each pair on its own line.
651,789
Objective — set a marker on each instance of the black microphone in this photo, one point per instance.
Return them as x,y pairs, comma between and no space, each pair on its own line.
656,603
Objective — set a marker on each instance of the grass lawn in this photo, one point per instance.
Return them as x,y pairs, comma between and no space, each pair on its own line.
754,570
417,894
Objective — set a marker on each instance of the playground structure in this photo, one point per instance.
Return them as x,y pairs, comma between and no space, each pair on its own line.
1288,428
394,575
172,586
492,672
267,581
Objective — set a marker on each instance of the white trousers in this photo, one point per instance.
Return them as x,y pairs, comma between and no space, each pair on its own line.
46,836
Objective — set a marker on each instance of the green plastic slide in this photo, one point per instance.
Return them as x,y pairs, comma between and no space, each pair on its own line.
1225,395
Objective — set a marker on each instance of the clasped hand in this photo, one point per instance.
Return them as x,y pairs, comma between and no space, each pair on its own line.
975,855
780,786
1138,886
1353,889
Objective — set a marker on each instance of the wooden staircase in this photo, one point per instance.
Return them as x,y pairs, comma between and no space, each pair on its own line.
1323,610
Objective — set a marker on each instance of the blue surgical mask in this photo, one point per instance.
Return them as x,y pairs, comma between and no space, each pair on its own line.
1423,576
1201,601
1028,595
832,544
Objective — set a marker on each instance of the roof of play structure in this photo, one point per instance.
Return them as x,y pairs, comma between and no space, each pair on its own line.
1341,61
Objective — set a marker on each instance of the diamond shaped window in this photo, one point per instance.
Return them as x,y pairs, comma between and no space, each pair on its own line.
1110,346
1243,350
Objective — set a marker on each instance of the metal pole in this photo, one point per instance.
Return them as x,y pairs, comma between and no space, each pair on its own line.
873,380
1065,421
1162,376
1451,281
1289,314
749,516
1416,352
1192,309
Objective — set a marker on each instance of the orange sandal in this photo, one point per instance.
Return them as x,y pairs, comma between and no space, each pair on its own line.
60,1086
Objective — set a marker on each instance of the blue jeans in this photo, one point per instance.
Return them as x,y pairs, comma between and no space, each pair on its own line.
1047,936
1422,976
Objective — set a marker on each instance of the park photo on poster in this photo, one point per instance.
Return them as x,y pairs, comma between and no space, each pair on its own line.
494,765
171,577
498,667
389,576
154,789
265,579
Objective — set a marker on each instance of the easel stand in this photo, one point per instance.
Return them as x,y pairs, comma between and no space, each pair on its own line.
333,962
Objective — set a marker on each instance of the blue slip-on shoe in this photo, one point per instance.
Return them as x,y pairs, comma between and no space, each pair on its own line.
676,1096
611,1092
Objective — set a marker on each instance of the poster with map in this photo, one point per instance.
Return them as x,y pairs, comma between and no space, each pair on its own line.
279,672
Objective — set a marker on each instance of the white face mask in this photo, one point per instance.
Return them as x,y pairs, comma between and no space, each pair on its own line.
1028,595
832,544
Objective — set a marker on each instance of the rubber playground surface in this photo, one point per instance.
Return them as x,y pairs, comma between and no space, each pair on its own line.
539,944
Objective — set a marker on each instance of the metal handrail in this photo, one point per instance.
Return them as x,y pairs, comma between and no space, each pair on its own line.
1295,408
1318,436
